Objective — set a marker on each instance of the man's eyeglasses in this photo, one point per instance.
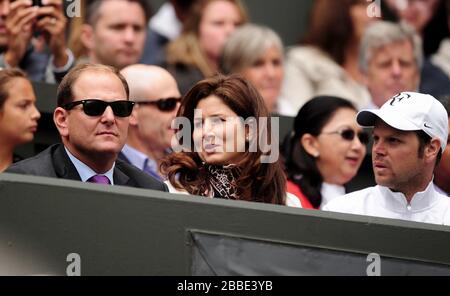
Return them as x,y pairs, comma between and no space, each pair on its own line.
349,134
94,107
164,105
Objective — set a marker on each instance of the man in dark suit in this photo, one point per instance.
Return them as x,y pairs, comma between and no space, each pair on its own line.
92,118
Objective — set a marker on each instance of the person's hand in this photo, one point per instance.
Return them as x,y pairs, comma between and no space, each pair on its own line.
52,24
19,25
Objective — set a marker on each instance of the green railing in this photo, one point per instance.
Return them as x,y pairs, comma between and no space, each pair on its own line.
113,230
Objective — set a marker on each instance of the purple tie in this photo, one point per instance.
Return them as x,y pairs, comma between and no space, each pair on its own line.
99,179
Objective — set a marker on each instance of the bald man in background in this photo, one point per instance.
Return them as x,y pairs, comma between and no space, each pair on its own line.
157,99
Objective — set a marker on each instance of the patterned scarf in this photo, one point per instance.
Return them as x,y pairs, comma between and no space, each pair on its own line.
222,181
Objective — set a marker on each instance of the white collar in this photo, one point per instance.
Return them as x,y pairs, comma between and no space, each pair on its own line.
438,189
330,191
396,201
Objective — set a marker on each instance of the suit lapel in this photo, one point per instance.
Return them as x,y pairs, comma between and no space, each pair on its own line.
119,177
64,168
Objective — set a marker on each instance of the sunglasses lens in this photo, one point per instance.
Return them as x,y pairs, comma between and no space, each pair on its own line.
94,107
122,108
348,135
167,104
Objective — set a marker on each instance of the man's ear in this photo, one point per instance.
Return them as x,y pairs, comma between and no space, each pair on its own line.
134,117
432,150
87,36
60,117
310,144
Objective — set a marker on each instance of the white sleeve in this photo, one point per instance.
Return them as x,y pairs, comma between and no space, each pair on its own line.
293,201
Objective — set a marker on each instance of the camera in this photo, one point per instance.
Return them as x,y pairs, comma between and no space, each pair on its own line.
37,3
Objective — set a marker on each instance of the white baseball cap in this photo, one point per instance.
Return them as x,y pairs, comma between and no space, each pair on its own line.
410,111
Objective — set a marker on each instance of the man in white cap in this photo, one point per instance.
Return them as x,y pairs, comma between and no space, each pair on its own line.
410,134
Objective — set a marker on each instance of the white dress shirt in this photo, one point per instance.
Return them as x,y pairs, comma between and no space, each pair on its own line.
330,192
428,206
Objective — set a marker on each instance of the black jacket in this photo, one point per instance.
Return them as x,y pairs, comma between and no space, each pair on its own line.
54,162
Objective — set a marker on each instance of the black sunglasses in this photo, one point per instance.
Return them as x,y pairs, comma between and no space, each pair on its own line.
94,107
165,105
349,134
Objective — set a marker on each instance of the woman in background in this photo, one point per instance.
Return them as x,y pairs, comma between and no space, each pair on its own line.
256,52
196,53
325,150
222,160
427,17
326,62
18,114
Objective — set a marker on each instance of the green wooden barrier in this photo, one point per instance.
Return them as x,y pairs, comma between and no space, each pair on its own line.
125,231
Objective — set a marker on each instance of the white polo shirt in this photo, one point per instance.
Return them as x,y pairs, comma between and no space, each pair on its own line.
428,206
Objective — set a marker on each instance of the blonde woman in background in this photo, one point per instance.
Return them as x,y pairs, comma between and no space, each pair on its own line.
256,52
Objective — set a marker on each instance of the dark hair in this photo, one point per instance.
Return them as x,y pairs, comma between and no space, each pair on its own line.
6,76
434,32
331,28
262,182
65,95
448,9
301,166
425,139
93,6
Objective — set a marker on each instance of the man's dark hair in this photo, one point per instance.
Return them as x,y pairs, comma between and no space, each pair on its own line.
93,6
424,140
64,94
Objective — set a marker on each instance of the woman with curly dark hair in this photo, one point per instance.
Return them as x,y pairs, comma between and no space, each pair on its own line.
223,156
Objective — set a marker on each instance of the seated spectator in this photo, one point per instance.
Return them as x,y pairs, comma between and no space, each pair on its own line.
391,60
410,134
222,157
442,171
157,99
442,57
18,114
196,53
326,63
325,151
165,26
92,118
427,17
26,32
114,32
256,52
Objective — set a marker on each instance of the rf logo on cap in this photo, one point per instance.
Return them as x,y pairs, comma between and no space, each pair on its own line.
399,97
